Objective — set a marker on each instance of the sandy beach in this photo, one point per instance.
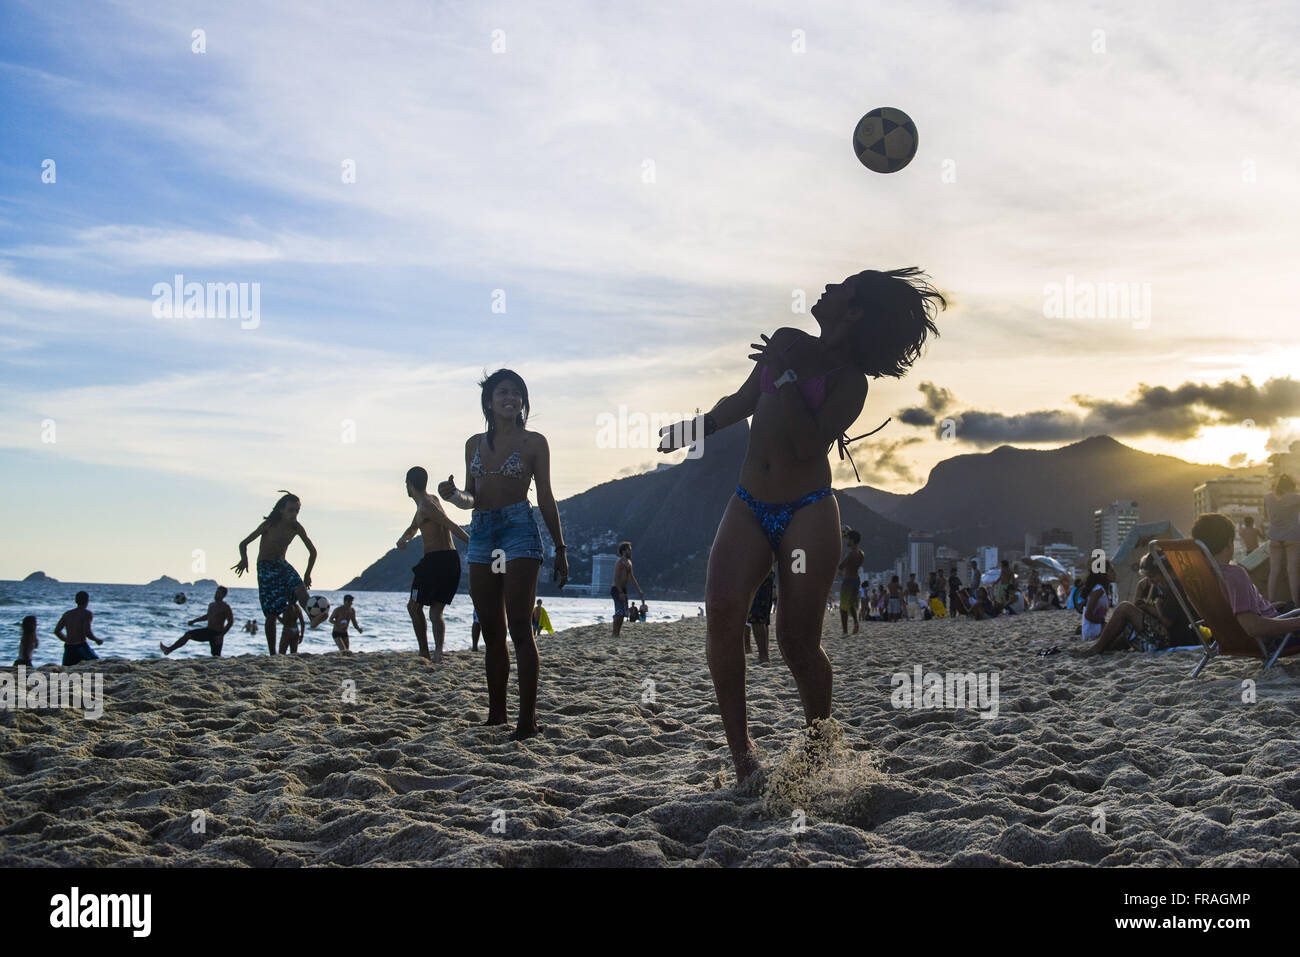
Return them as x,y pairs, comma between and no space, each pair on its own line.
261,761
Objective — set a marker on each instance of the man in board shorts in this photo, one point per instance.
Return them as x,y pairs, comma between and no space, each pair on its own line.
437,576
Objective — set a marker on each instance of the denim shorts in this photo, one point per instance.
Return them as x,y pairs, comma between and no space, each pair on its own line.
511,529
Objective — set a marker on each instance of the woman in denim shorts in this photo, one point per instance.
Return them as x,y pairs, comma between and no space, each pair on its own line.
505,549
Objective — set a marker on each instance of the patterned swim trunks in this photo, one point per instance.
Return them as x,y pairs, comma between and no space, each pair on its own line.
276,583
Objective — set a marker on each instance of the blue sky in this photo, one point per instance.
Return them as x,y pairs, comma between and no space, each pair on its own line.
1160,151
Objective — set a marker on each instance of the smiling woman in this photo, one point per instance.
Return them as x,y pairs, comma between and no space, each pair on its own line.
505,548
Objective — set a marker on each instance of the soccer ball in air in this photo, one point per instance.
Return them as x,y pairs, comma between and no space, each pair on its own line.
885,140
318,606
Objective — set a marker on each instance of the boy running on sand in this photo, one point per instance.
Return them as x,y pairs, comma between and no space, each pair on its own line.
218,619
341,618
278,584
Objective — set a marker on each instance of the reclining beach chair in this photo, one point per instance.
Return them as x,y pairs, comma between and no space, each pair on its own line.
1196,583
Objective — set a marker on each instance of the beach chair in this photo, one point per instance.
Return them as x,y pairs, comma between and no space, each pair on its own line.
1197,585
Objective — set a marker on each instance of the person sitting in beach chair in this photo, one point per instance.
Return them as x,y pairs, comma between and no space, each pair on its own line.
1242,623
1153,621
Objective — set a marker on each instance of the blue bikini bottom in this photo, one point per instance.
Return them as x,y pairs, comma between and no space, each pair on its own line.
775,519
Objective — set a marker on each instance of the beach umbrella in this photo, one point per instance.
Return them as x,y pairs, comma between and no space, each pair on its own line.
1045,563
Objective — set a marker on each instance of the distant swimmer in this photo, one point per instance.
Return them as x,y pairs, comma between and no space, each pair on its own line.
250,626
618,591
505,548
341,618
218,619
278,584
437,576
802,394
73,630
28,642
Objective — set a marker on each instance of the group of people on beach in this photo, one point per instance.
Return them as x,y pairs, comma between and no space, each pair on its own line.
941,597
1155,619
780,531
73,629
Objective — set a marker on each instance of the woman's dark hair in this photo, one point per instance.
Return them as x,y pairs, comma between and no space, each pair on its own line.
1284,485
488,386
1094,579
277,512
29,626
898,310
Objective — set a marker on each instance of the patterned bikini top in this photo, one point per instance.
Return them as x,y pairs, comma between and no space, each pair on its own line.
513,467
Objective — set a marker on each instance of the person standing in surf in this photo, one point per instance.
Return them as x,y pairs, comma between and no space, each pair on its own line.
505,549
803,393
278,584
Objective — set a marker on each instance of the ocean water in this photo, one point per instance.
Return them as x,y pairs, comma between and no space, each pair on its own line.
132,619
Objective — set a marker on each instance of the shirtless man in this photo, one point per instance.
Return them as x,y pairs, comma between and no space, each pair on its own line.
618,591
1250,536
278,584
437,576
849,583
73,629
340,618
218,620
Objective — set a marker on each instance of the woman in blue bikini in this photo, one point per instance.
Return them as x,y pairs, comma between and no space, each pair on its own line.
505,549
803,393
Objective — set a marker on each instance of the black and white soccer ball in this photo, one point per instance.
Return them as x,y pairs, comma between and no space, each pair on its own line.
885,140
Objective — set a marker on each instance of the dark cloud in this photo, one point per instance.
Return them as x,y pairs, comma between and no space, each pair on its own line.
1178,413
879,461
937,399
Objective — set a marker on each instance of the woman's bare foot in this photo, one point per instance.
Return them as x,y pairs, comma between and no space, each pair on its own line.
746,762
525,731
494,721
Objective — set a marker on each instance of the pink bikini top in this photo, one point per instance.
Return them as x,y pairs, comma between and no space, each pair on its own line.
814,394
813,390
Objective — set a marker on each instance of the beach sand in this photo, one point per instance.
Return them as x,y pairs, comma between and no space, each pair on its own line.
287,773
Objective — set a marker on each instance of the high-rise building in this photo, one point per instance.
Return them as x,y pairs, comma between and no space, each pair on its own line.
1056,536
920,554
602,573
1111,523
1234,496
987,556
